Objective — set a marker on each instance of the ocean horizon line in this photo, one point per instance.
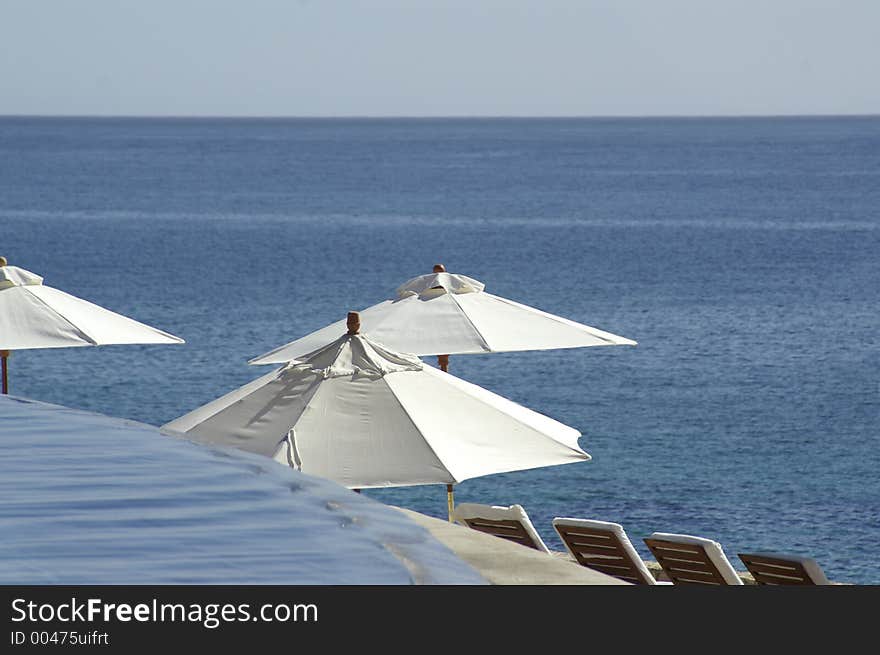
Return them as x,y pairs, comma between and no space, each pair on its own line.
450,117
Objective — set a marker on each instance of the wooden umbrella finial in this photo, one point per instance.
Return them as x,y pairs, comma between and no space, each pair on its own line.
354,322
2,261
439,268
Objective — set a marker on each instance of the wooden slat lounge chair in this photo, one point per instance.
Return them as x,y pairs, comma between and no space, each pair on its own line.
779,569
510,523
692,560
603,546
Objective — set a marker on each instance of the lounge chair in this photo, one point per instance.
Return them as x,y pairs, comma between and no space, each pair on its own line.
604,547
778,569
692,560
506,522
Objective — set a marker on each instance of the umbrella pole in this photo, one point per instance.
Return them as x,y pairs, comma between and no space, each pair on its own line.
442,360
443,363
450,501
4,355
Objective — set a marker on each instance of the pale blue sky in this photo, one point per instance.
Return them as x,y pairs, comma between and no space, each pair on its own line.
439,57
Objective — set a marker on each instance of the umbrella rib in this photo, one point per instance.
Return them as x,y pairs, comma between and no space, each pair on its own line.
454,477
472,324
315,389
85,334
434,372
306,406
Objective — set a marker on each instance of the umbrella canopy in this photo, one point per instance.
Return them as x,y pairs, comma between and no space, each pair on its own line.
365,416
33,315
448,314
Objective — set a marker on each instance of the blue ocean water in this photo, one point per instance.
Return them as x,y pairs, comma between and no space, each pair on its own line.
742,255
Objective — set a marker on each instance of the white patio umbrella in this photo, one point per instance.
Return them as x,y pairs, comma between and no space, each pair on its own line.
33,315
365,416
443,314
